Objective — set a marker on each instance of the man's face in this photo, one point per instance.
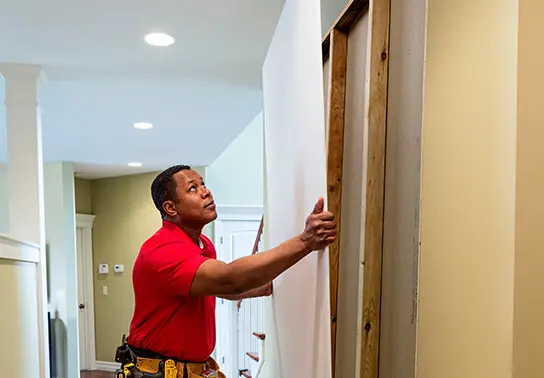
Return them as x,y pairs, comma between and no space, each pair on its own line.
195,206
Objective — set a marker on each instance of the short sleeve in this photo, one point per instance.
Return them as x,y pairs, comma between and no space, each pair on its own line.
174,266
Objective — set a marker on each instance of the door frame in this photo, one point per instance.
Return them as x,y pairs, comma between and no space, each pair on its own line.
233,213
85,223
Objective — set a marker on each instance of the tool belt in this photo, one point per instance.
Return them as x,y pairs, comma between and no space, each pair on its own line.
134,366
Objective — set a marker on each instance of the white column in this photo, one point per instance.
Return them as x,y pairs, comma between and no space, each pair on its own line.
25,179
25,166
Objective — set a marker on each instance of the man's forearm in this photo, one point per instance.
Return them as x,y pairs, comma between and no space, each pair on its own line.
257,270
253,293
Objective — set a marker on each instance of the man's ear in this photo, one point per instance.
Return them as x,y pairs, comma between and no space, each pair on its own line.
169,208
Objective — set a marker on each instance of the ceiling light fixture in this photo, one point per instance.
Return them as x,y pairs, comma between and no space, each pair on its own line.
159,39
143,125
134,164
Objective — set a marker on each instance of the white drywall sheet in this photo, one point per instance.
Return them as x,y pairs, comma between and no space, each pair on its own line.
298,334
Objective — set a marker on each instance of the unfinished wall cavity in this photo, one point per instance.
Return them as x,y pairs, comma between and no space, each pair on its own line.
355,56
351,217
402,190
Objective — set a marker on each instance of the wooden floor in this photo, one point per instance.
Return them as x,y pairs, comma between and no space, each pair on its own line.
97,374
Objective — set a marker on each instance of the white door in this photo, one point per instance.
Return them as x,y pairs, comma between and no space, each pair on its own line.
234,239
84,364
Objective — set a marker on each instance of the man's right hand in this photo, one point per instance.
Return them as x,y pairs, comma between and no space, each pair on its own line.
320,230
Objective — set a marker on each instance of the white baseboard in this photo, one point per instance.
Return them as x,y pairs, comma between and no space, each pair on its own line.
106,366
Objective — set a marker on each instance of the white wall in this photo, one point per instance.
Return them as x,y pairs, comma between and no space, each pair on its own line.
236,176
60,228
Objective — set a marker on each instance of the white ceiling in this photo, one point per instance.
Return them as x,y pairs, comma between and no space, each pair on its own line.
199,93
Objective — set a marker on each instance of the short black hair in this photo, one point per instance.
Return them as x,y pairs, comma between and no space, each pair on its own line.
163,187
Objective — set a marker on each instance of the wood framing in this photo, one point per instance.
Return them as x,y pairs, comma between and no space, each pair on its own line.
373,243
334,47
337,93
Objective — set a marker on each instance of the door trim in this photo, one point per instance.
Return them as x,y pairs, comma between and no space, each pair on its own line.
85,223
234,212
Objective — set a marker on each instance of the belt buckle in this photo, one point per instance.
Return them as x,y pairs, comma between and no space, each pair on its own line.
209,373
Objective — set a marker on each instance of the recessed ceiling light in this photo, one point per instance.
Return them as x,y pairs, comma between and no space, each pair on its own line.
134,164
159,39
143,125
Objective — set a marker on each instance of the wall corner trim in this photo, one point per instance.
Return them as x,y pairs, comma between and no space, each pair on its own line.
84,220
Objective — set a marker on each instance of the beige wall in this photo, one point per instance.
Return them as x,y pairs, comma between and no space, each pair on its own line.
19,345
529,280
125,218
468,190
83,196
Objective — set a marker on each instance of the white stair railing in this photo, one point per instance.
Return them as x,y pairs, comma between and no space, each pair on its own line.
251,337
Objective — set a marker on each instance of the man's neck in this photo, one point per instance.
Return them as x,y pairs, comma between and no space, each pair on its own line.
193,232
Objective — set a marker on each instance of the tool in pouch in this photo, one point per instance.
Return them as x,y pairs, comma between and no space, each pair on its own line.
209,374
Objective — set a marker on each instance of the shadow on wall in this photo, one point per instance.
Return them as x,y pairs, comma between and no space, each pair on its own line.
4,214
58,342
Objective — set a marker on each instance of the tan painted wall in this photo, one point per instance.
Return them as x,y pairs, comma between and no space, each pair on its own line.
468,191
529,280
19,353
83,196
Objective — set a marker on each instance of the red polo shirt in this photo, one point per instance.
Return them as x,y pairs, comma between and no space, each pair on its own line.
167,320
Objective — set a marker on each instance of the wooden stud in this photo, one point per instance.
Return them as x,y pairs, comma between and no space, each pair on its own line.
336,98
375,184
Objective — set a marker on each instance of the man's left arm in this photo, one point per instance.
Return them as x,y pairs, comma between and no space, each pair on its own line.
263,291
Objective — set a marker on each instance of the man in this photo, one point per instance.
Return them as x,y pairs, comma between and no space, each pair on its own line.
176,276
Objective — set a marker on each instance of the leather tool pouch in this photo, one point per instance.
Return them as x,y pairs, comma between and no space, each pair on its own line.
129,362
122,353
